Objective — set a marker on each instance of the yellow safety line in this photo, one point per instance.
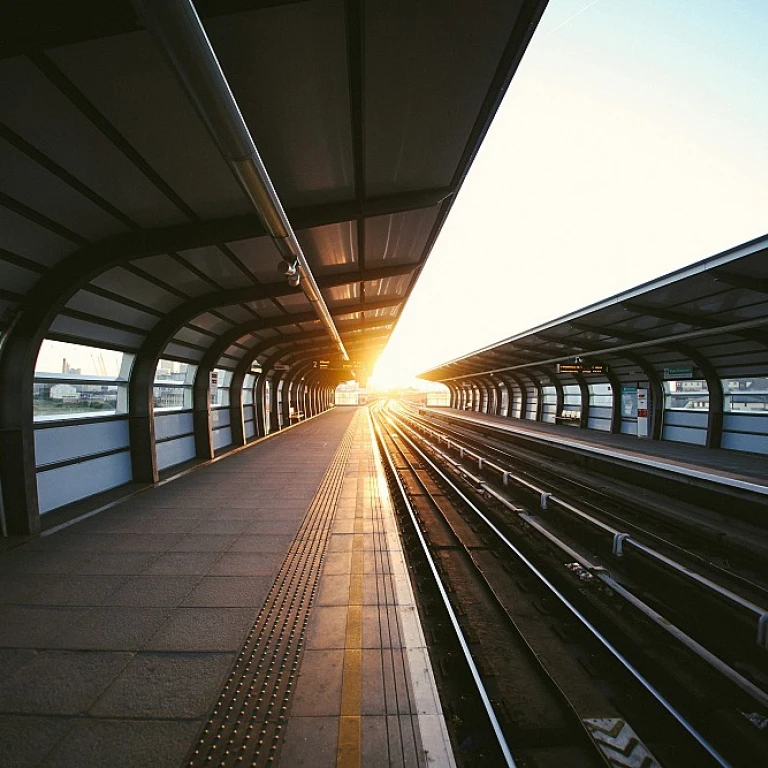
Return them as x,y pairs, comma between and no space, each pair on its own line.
349,748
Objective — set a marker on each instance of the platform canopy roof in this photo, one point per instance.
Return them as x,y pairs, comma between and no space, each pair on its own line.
711,317
121,225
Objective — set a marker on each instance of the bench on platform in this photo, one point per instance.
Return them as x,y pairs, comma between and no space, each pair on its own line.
569,417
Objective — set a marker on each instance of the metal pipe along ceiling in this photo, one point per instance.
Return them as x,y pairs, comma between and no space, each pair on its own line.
179,32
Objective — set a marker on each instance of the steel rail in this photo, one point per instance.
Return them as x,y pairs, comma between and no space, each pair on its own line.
548,498
509,760
576,613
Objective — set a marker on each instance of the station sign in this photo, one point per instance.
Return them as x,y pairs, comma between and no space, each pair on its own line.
581,368
680,372
326,365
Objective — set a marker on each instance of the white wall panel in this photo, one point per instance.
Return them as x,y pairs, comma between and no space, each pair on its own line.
174,452
57,487
174,423
62,443
221,437
220,418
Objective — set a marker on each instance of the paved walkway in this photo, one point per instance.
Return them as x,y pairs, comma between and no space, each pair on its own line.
118,633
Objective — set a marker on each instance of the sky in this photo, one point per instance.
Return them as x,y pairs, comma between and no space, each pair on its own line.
630,143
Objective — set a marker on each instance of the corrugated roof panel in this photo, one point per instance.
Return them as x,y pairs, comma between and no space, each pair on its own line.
23,237
341,293
410,103
218,266
330,246
211,323
399,238
124,283
169,271
148,109
287,67
93,334
77,144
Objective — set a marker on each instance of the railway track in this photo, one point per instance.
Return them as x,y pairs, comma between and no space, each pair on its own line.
627,540
563,663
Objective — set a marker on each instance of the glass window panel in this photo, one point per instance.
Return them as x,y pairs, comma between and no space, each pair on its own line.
67,399
686,395
220,381
61,359
169,398
747,395
600,395
172,370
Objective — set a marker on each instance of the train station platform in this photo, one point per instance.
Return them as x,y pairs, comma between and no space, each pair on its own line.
255,611
738,470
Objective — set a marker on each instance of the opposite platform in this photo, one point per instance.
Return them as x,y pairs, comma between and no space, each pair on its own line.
118,633
736,469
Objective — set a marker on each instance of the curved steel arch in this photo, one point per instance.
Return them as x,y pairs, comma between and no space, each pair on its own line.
308,350
141,422
202,379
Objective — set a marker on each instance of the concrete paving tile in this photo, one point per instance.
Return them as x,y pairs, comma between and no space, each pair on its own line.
247,564
12,659
112,629
223,526
85,540
380,627
327,627
288,527
78,590
354,525
60,682
404,746
204,629
319,671
145,520
166,685
311,742
154,591
337,563
183,563
433,741
35,626
156,524
396,687
375,744
373,701
376,561
124,744
334,590
410,627
340,542
170,509
25,560
116,564
145,542
237,510
378,589
205,542
425,699
262,542
18,588
26,739
345,512
230,591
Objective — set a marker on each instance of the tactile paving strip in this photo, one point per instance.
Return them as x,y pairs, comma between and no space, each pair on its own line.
247,724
